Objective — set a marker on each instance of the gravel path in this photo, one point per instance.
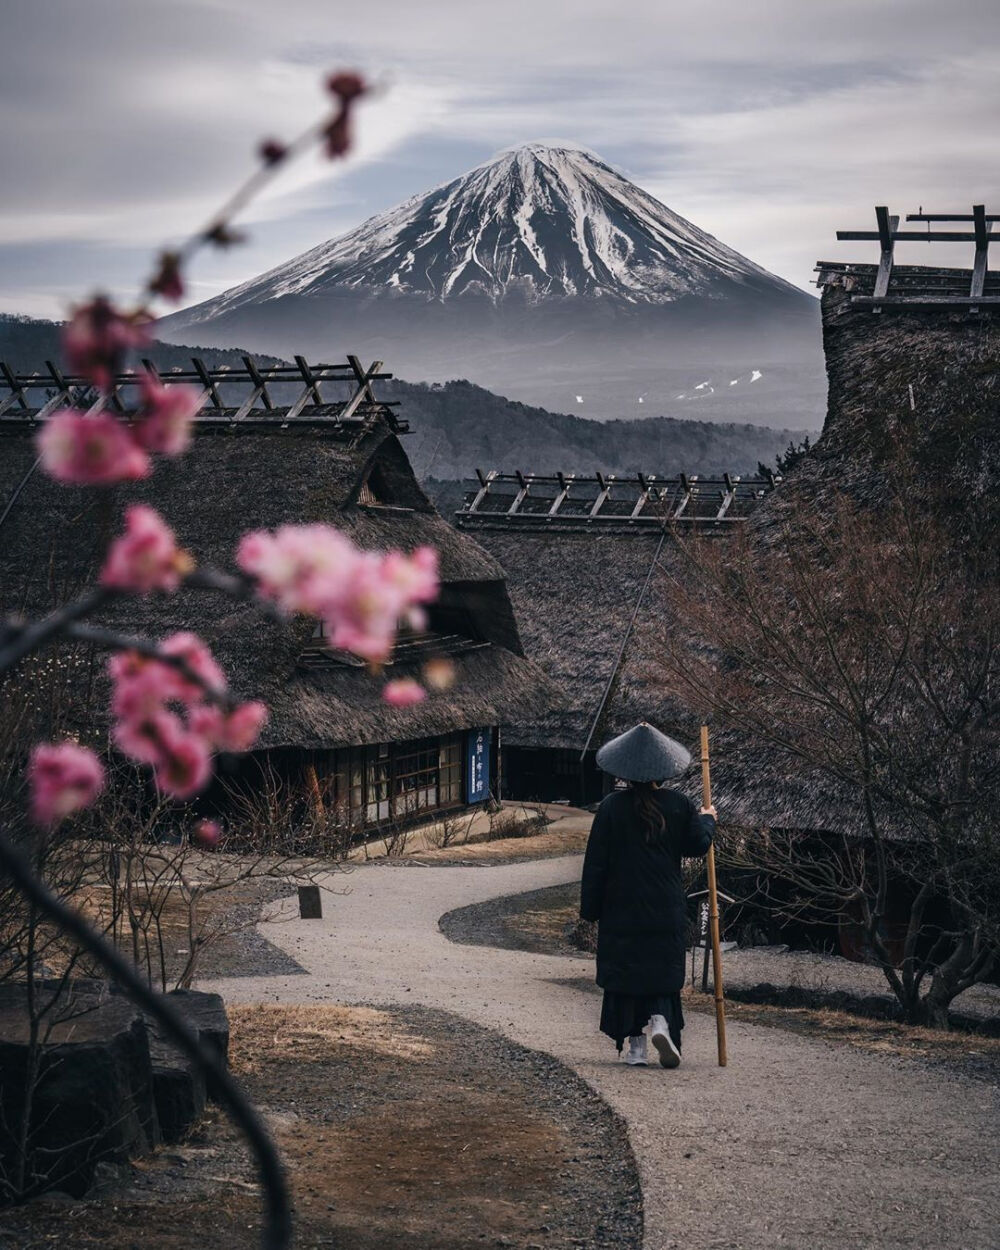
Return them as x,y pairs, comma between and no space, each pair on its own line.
796,1144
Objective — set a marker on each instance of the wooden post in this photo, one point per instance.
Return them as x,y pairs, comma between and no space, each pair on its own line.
713,909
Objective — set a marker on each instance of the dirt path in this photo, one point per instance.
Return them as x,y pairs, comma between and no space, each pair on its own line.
796,1144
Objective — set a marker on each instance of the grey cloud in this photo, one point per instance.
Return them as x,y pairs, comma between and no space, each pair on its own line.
769,124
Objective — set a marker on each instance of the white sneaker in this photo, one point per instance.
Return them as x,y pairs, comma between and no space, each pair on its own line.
636,1053
670,1056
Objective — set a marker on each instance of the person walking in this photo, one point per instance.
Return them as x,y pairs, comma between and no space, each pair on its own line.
632,887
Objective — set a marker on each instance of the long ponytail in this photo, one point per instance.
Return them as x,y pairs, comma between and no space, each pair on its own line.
648,812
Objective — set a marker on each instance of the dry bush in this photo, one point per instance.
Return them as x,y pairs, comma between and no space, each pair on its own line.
516,822
451,830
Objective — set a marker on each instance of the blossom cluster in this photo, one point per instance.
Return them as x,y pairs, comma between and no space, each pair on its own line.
62,778
146,557
169,713
98,448
360,596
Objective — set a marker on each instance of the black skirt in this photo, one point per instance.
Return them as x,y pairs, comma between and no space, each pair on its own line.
626,1015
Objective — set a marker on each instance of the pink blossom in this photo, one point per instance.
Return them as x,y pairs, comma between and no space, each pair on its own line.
167,281
167,420
439,673
146,557
185,763
403,692
300,567
360,596
241,727
62,779
141,737
208,832
362,613
236,730
199,659
97,337
90,450
416,576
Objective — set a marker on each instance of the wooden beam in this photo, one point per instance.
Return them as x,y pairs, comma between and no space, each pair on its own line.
728,495
927,301
687,491
641,502
908,236
484,488
309,378
364,391
258,381
886,229
207,381
948,217
16,391
605,491
560,498
520,496
982,232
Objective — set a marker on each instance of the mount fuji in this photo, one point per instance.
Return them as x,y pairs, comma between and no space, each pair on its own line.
549,276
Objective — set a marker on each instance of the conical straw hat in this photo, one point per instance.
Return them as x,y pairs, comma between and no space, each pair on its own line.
643,754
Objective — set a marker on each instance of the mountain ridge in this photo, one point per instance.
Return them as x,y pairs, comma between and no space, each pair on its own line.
459,426
540,220
544,274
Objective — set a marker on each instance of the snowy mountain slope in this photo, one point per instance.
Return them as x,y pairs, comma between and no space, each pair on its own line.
544,221
543,274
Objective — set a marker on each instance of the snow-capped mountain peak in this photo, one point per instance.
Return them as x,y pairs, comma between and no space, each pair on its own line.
538,220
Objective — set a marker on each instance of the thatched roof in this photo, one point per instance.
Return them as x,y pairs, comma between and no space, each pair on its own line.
921,381
242,475
590,607
575,592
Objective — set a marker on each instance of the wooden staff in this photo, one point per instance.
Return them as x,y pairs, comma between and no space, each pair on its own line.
713,908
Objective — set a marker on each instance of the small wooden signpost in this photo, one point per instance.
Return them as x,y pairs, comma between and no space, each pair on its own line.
310,902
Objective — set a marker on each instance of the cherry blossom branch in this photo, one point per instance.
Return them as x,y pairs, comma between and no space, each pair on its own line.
21,640
277,1232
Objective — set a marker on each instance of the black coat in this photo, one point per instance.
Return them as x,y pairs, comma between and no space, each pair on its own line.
632,886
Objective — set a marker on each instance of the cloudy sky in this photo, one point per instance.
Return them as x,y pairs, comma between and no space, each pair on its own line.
124,122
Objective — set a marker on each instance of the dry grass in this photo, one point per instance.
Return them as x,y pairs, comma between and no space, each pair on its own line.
545,845
262,1034
386,1138
875,1036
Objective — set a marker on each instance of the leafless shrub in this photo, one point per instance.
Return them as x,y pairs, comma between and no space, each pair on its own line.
516,822
450,830
856,662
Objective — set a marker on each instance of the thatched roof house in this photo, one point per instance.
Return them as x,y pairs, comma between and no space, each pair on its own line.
917,369
913,362
586,559
294,458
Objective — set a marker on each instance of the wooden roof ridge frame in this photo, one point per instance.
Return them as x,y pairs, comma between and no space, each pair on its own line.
888,234
255,376
635,492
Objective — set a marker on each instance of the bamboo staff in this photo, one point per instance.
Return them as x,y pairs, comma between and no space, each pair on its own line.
713,908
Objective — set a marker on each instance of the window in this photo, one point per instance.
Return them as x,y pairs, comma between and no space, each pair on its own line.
393,781
416,777
450,770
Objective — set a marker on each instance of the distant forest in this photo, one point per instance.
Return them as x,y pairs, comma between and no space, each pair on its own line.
458,427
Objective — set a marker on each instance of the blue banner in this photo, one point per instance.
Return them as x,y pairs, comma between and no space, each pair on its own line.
477,766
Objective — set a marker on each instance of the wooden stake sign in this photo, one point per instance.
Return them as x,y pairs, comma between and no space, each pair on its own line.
713,909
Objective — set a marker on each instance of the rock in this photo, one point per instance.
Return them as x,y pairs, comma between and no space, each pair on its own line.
207,1012
178,1088
92,1099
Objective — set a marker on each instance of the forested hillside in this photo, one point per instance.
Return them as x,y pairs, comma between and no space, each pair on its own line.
458,426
